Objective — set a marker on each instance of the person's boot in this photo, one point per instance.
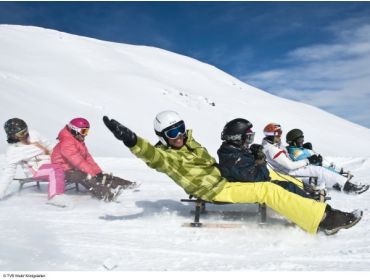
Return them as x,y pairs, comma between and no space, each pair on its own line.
101,192
336,220
337,187
354,189
118,182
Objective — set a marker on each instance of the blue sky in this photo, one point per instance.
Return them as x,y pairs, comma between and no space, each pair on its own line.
314,52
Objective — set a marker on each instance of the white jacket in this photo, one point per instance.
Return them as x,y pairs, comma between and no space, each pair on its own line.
29,157
279,159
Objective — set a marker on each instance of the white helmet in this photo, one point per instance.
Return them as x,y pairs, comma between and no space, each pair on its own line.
165,121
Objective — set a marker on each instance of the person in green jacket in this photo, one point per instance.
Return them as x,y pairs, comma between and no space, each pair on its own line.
189,164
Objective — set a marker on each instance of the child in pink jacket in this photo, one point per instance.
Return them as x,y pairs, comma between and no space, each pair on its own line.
72,155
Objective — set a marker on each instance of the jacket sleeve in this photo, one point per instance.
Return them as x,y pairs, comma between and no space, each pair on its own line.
6,178
299,154
72,155
253,173
42,140
93,164
154,157
23,153
47,143
242,168
280,157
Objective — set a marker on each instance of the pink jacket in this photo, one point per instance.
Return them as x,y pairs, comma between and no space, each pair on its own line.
70,153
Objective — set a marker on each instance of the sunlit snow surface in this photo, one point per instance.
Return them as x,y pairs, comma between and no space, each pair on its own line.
143,231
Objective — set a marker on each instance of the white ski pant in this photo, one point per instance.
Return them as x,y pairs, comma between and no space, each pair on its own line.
324,176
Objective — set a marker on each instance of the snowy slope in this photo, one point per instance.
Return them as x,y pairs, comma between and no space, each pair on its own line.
143,232
48,77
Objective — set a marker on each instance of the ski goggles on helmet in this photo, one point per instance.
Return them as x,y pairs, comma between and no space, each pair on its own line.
249,137
22,133
174,132
83,131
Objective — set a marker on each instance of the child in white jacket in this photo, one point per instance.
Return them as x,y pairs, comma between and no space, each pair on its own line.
31,151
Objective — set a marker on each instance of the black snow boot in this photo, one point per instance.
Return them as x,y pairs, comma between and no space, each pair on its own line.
122,183
102,192
354,189
336,220
337,187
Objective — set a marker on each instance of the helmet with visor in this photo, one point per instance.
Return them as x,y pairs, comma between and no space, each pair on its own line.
79,126
168,125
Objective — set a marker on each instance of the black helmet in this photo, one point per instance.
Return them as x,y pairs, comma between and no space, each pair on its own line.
14,126
235,132
293,135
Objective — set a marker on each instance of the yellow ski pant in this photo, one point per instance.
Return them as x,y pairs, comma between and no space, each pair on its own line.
304,212
282,177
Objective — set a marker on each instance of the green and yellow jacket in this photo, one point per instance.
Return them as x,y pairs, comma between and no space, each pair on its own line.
191,167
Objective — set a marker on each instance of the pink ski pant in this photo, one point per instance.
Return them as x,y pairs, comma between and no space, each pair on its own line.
55,175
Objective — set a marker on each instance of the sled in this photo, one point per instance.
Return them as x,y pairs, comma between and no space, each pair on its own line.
32,182
200,208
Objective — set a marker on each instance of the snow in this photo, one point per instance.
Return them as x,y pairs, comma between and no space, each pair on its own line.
143,232
48,77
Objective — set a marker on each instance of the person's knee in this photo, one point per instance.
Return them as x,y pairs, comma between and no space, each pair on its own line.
265,188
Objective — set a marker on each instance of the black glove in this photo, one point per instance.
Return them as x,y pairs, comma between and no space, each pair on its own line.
121,132
307,145
320,159
315,159
255,148
257,151
99,177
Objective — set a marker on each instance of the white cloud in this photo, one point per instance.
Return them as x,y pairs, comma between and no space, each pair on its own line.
334,76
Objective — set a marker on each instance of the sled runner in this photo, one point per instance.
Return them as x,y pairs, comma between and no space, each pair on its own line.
200,208
32,182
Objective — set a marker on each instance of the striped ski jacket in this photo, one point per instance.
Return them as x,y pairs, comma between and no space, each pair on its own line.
191,166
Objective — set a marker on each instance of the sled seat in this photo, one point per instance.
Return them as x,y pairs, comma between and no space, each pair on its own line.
32,182
200,208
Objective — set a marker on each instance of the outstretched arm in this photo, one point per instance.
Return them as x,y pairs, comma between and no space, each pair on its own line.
153,157
121,132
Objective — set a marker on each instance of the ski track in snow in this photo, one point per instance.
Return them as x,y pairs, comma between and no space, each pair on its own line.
142,232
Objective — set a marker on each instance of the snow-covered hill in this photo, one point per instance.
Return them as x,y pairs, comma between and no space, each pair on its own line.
48,77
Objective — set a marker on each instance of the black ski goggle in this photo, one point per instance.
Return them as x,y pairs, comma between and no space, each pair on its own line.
249,137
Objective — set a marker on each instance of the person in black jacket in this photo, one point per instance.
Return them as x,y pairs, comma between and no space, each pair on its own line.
240,162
